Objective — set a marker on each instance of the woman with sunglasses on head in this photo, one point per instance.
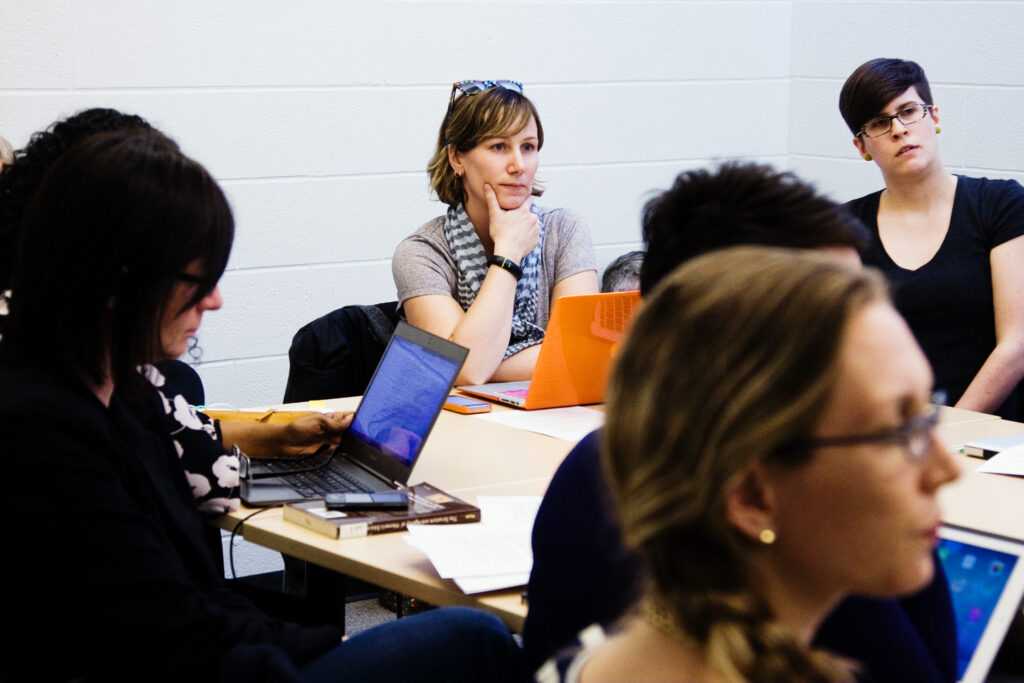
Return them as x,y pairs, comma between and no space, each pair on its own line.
802,469
949,244
484,274
118,260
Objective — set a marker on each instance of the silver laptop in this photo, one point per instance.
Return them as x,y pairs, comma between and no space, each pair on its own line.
378,451
986,582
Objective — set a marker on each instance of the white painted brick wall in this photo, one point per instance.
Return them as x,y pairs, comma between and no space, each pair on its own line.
318,116
971,52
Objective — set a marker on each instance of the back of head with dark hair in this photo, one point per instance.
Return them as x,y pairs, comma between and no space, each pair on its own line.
20,180
739,203
103,243
874,84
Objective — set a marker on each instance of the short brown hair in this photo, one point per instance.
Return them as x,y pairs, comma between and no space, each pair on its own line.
472,119
874,84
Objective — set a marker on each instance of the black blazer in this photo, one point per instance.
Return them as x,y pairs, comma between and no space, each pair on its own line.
108,575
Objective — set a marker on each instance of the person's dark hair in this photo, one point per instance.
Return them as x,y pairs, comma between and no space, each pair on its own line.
739,203
103,244
20,179
874,84
623,274
473,119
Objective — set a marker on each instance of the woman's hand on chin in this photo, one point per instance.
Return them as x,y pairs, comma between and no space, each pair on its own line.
515,232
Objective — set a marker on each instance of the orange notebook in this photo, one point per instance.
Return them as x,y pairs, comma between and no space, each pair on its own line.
583,335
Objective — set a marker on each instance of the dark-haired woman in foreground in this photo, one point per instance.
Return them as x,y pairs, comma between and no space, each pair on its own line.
790,463
119,259
949,244
204,445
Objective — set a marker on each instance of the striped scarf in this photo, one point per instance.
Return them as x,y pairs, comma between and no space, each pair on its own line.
471,268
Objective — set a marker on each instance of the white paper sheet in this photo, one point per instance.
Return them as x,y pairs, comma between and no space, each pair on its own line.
482,584
1010,461
488,556
508,511
473,549
569,424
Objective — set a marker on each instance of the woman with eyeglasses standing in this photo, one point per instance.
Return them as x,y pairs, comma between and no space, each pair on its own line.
949,244
484,274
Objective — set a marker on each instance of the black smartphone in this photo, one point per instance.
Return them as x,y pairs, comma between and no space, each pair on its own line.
382,500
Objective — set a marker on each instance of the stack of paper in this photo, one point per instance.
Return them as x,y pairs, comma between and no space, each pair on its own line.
491,555
1009,461
568,424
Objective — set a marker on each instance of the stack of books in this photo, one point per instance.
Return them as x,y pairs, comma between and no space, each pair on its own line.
427,505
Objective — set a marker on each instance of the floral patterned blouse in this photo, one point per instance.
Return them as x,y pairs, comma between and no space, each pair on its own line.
211,471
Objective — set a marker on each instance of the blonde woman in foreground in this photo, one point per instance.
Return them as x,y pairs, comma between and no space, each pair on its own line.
771,449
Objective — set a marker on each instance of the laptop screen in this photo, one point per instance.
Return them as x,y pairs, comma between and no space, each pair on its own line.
403,399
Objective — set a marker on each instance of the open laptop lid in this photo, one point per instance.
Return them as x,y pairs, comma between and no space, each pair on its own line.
402,402
986,582
583,335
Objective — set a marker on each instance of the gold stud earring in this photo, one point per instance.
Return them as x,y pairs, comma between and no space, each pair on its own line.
867,157
938,129
767,536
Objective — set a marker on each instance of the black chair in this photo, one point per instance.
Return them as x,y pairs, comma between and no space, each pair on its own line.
336,354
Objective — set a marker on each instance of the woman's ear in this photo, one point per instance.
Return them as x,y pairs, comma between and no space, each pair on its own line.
859,144
750,505
455,160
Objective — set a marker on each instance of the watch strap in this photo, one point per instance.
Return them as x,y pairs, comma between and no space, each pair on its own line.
506,264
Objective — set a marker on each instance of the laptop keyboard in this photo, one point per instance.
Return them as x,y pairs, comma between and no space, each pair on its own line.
514,393
323,481
317,482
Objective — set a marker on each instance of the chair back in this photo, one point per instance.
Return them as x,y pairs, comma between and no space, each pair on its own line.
336,354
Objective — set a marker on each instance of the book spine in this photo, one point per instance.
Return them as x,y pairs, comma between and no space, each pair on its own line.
391,525
978,452
311,522
449,518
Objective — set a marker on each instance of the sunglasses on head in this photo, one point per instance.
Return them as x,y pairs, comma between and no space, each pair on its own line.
477,87
469,88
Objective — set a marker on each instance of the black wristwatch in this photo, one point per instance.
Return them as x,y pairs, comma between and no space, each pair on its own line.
508,264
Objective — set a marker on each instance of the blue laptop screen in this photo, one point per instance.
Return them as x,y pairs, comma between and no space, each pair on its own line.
402,401
977,577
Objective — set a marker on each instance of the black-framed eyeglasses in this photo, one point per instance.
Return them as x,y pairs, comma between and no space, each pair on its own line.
881,125
915,436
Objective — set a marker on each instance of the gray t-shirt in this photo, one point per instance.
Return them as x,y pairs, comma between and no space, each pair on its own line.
424,265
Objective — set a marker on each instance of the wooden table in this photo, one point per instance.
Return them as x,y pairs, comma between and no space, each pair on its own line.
988,502
470,457
465,456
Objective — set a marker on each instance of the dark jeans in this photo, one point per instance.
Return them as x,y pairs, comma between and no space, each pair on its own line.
451,645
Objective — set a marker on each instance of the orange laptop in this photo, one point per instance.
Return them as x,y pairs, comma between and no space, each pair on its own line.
583,334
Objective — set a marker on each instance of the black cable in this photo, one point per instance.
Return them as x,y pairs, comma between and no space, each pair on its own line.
234,531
